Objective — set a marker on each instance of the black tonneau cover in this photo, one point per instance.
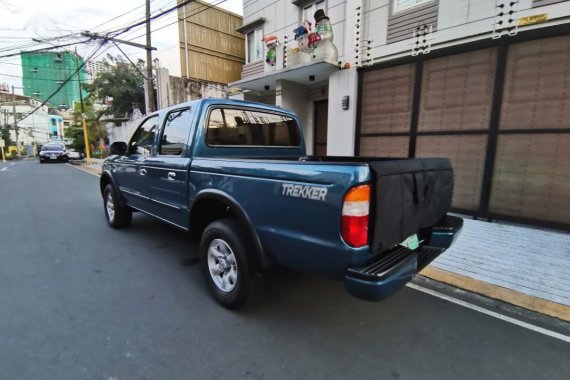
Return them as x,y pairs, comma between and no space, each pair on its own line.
410,194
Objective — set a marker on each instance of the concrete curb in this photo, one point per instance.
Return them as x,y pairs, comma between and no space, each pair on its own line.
84,165
513,297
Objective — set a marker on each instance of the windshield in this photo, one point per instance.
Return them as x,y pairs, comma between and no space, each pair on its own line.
52,148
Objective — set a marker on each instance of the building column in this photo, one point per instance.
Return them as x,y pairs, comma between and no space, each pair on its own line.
341,133
294,97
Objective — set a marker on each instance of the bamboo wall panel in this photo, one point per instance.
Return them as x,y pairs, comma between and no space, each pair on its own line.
216,52
387,99
215,41
213,68
457,91
384,146
532,177
467,155
537,85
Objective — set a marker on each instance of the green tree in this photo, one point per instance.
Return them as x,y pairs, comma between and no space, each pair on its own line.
124,83
95,132
6,137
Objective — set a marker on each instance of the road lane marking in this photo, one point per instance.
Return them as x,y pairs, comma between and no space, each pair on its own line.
4,168
83,170
528,326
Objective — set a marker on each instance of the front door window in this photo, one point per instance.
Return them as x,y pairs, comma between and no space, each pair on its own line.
143,139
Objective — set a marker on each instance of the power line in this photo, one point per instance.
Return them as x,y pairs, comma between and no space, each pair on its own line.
44,79
169,10
124,25
43,49
132,63
35,66
184,18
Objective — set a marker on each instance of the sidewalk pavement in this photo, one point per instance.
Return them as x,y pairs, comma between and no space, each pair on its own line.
524,266
94,165
527,267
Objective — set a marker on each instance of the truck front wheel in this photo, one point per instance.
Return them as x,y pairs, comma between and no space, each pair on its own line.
117,216
224,263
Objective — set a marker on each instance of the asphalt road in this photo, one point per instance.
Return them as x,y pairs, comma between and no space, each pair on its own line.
79,300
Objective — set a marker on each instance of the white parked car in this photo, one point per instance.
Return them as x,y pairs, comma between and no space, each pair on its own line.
72,154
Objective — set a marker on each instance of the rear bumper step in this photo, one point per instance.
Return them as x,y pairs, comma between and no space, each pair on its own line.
394,268
398,257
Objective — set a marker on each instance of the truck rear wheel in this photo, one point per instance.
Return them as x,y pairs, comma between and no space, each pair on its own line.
226,268
117,216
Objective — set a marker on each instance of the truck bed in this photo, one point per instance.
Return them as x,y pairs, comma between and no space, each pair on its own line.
410,194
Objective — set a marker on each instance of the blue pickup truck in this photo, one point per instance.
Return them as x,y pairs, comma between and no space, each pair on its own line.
236,174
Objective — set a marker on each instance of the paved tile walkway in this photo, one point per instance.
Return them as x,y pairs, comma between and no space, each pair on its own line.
531,261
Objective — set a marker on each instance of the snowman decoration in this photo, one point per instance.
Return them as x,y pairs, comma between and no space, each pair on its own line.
322,40
302,54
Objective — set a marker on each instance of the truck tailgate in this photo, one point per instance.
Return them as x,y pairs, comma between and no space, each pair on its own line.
410,194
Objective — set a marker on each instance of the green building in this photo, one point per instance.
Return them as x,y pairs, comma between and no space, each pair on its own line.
44,72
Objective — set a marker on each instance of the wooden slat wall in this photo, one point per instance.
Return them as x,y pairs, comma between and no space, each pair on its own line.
387,99
402,24
467,155
457,91
532,177
537,85
253,68
384,146
216,52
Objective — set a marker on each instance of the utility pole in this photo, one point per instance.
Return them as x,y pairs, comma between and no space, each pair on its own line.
15,122
83,122
149,87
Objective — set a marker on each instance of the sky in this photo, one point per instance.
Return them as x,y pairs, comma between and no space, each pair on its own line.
22,20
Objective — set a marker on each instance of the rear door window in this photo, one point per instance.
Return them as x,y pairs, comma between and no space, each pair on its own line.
175,133
237,127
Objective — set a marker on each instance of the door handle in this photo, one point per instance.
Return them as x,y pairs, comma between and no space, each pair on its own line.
171,176
143,172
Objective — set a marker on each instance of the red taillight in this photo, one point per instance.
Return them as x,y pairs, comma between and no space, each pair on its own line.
355,211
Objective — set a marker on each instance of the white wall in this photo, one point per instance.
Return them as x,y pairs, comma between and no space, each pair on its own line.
458,21
169,58
162,88
122,132
294,97
342,123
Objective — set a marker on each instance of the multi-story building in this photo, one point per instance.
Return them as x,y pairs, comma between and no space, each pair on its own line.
32,128
483,82
209,54
45,72
94,68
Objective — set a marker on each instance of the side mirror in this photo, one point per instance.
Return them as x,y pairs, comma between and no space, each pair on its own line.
119,148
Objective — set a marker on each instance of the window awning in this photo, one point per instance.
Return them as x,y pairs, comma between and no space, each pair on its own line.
251,25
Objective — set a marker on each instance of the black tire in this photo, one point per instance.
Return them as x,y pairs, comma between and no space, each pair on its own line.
117,216
229,232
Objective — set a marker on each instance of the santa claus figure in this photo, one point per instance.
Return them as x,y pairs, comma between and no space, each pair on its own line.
271,43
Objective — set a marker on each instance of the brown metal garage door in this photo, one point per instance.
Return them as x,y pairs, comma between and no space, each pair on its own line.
499,113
